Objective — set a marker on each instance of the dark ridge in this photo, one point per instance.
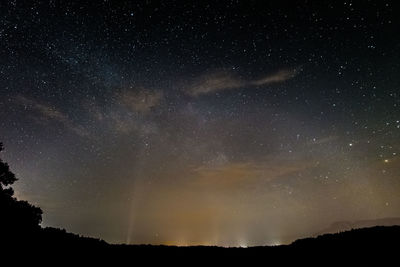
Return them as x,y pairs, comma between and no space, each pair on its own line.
378,238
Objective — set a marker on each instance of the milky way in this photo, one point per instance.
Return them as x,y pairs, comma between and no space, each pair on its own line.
184,123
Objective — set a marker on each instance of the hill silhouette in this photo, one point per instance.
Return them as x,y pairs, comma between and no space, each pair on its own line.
378,243
342,226
21,234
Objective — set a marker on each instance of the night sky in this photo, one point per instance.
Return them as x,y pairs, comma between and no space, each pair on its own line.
236,123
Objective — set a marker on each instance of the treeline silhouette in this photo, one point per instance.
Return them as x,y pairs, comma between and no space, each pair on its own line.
18,218
21,233
20,221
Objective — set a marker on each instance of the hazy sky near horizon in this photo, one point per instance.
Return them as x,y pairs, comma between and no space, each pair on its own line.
235,123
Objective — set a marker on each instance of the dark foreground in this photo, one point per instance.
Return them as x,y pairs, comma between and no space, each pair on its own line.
379,244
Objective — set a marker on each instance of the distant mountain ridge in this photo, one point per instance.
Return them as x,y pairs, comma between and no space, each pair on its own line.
341,226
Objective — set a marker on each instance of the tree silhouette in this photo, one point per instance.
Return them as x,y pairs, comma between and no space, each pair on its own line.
6,177
17,218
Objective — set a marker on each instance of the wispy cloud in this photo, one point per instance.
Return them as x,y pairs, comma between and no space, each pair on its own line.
214,83
277,77
220,81
46,113
237,175
141,100
130,112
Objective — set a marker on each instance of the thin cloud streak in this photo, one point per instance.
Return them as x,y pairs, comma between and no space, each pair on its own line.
277,77
46,113
221,81
214,83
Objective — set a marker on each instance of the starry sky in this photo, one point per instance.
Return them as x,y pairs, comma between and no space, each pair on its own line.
233,123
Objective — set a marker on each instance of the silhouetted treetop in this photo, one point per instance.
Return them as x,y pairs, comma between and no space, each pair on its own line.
18,218
6,176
